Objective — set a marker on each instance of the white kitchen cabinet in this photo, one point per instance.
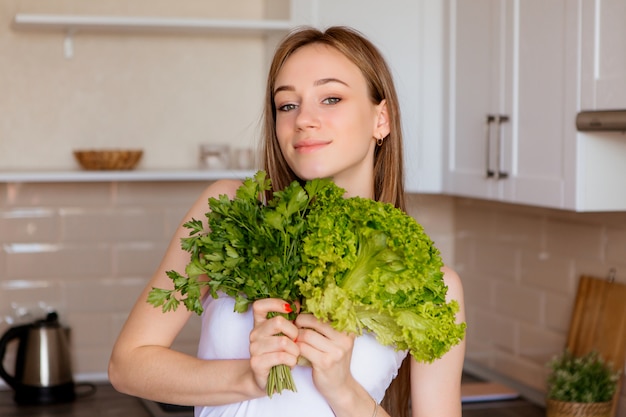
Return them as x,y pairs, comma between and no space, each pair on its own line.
410,34
512,99
531,61
603,49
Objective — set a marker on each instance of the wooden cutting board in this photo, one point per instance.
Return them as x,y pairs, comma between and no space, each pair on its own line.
599,321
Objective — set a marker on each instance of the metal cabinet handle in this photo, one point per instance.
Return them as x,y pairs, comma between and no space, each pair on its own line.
490,119
500,173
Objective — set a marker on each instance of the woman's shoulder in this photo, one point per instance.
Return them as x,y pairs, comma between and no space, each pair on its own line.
453,282
214,190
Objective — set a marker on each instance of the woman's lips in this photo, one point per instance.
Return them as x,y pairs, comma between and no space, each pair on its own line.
310,145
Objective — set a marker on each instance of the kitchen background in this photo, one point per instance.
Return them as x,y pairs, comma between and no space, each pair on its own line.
86,248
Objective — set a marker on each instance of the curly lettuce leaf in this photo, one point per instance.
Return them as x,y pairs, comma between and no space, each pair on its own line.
369,266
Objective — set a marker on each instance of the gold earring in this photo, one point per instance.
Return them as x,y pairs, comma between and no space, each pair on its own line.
379,141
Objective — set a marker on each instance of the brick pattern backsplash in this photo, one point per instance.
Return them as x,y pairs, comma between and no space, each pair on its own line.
520,268
87,249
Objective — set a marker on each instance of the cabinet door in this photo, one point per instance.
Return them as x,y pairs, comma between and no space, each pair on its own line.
478,93
603,37
544,99
410,35
513,63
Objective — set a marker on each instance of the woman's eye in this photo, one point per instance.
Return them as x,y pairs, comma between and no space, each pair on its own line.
331,100
287,107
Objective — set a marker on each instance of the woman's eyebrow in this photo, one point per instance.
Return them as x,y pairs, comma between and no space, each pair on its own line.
329,80
316,84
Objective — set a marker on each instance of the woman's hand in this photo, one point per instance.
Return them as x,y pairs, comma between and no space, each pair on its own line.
267,349
329,352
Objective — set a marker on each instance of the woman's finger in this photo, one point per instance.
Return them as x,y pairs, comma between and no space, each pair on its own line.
261,308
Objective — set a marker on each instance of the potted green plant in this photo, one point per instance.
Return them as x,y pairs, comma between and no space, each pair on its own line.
581,386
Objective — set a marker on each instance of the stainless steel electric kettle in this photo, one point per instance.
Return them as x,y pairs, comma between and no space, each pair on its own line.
43,371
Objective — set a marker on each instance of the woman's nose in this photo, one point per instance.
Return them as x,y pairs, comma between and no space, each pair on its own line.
307,117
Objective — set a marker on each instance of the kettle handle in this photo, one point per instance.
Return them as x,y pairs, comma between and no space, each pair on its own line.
17,332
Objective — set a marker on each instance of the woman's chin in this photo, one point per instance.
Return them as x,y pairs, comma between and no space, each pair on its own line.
310,173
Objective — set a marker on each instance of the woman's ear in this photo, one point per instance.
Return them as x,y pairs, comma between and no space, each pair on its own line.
382,128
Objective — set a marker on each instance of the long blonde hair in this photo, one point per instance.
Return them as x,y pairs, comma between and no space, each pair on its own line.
388,162
388,159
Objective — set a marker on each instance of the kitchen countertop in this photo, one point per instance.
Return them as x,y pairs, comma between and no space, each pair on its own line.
107,402
104,402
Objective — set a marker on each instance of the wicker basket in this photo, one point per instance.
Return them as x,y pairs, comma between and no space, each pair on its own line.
108,159
568,409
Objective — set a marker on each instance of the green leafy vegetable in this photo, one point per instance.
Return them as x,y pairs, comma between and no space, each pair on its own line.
369,266
251,252
356,263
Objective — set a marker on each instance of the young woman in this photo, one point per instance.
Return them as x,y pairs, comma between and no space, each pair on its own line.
331,111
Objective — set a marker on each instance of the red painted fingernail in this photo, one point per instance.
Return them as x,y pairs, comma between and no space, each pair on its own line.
295,340
288,308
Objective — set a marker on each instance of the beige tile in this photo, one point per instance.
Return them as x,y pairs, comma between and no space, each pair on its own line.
518,302
539,343
61,194
3,195
31,295
616,245
174,217
524,370
464,252
478,290
497,260
482,357
2,264
558,312
518,228
159,194
574,240
36,261
90,329
29,225
91,359
111,225
138,260
103,295
549,273
435,213
600,270
493,329
474,221
118,318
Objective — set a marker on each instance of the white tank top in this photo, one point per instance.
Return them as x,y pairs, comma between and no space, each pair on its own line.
225,335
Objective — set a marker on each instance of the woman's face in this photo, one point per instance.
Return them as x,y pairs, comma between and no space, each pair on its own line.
326,123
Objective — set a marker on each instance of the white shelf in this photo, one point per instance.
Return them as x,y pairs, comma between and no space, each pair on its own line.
74,23
121,176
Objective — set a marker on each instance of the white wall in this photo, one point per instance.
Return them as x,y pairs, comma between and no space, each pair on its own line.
163,93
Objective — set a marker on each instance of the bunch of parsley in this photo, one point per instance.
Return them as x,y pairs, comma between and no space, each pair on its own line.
359,264
251,252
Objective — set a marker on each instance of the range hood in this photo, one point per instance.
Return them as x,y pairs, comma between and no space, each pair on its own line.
601,120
